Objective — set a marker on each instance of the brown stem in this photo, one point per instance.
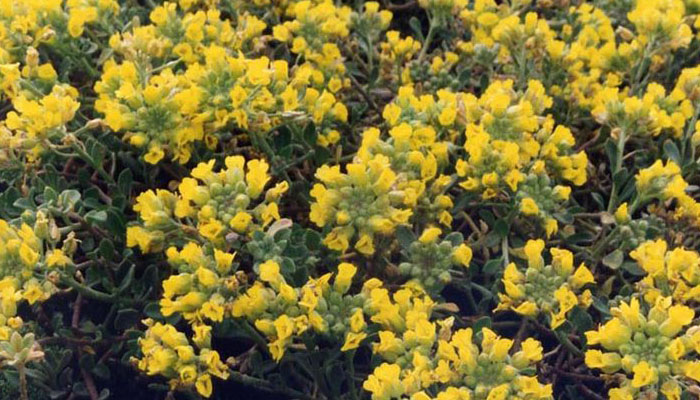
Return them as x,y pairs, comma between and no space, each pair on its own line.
87,378
589,393
24,395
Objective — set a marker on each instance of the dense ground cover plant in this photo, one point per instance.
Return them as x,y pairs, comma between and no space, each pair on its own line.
325,199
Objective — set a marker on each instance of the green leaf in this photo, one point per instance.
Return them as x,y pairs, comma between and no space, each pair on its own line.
312,240
455,238
598,198
614,259
633,268
152,310
492,266
124,182
101,371
601,305
128,278
50,194
417,28
580,319
501,228
126,318
621,177
488,217
481,323
23,203
96,217
405,236
310,134
464,77
611,151
68,199
671,151
106,249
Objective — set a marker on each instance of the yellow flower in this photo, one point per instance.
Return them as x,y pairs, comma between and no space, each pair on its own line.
204,385
608,362
391,114
644,375
582,276
691,369
257,177
241,221
155,154
28,255
533,251
353,340
527,308
463,254
343,279
365,244
532,349
429,235
621,214
57,258
188,374
211,230
270,272
529,207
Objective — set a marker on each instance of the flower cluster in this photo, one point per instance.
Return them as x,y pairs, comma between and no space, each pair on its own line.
313,33
415,154
553,289
41,107
429,259
665,182
508,147
359,204
29,264
209,205
282,313
170,111
422,354
315,198
168,353
655,349
202,288
646,116
669,272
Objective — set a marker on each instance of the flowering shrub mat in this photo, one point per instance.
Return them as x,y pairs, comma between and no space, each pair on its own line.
349,200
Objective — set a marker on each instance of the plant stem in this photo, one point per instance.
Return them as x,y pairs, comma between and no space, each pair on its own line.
95,294
564,340
24,395
266,386
621,140
350,356
428,40
91,161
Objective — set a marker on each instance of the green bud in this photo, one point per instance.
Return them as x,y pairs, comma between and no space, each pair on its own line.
322,305
445,248
405,268
41,226
652,328
293,311
241,187
216,189
242,201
